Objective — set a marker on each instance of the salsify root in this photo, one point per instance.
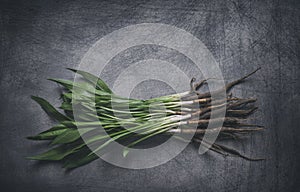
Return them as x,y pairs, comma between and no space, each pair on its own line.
126,118
226,88
224,150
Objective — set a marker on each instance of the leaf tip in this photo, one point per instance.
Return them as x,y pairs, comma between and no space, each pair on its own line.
125,152
33,158
34,97
74,70
31,137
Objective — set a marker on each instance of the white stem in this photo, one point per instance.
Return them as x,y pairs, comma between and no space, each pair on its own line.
180,117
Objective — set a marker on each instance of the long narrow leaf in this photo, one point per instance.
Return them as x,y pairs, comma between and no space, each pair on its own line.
57,153
93,79
49,109
70,136
80,86
48,135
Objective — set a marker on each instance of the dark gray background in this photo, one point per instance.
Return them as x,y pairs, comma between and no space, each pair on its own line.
41,38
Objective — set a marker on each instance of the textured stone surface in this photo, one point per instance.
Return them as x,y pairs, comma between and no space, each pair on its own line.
41,38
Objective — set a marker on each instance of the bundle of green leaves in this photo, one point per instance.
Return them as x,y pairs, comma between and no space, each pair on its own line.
132,120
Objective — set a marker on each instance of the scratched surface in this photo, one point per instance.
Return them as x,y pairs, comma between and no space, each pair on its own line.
41,38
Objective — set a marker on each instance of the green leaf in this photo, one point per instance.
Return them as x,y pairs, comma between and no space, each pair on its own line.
66,96
82,86
70,136
49,109
65,150
48,135
57,153
66,83
66,106
100,84
56,127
